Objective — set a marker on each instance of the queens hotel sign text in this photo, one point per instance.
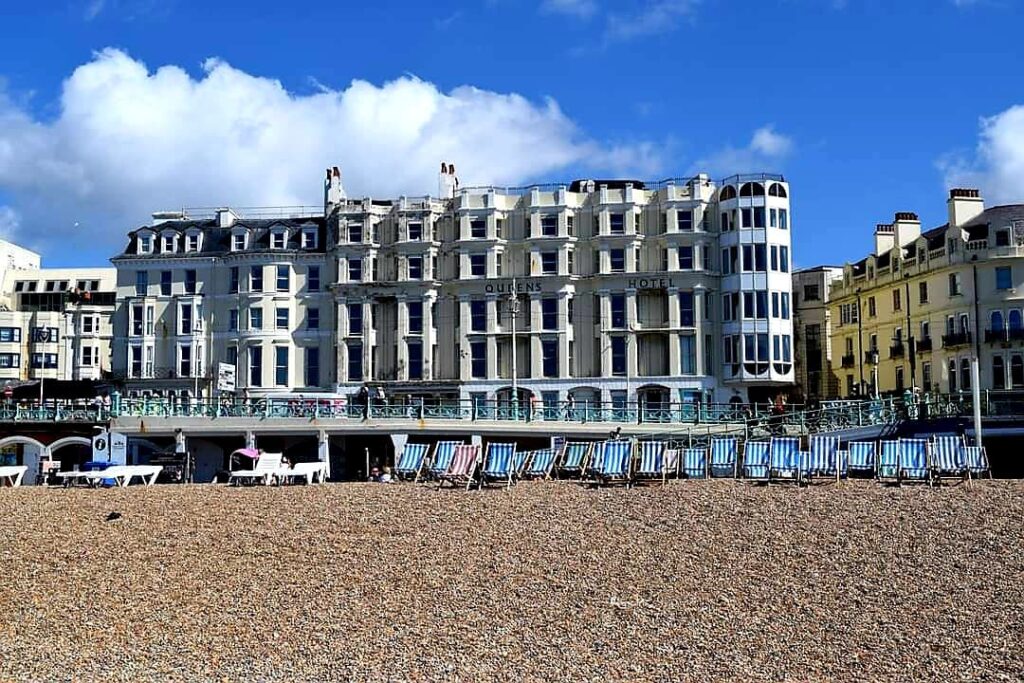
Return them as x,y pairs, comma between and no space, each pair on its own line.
528,286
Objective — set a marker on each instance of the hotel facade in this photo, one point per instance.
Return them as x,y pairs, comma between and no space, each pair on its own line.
923,304
596,291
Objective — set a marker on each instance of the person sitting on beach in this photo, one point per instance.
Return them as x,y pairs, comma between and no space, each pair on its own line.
374,474
385,476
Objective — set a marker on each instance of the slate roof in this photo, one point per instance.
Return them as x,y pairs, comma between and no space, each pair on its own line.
217,240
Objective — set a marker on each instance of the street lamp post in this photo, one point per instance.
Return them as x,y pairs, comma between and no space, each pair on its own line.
513,304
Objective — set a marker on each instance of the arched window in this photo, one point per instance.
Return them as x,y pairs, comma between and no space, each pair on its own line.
965,374
1014,319
777,190
997,321
998,373
728,192
752,190
1017,371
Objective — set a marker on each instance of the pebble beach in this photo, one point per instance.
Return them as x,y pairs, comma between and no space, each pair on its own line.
701,581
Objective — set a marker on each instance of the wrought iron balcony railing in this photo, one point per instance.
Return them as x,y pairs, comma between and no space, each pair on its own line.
956,339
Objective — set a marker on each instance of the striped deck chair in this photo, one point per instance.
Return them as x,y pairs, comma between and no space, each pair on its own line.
822,458
948,460
889,461
695,463
462,467
651,460
499,464
410,463
861,456
575,458
444,451
671,466
976,462
519,462
540,463
724,456
614,464
784,458
756,460
914,460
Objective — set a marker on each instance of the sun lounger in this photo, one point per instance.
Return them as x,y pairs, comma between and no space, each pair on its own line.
861,455
651,460
312,472
87,477
784,458
462,466
756,460
724,456
976,461
410,463
575,458
266,469
122,475
12,474
889,461
914,460
613,462
948,459
539,464
822,457
444,451
499,464
695,463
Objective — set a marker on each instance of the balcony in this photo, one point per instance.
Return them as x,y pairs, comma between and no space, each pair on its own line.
1004,335
950,341
924,345
849,360
897,350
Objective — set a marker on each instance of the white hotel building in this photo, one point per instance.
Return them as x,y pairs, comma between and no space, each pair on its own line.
608,290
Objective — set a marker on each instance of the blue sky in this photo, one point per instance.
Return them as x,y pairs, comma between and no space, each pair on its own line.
110,109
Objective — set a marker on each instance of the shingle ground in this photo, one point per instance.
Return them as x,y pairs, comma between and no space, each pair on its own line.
694,581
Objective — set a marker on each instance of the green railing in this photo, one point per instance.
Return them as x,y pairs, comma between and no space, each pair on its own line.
36,413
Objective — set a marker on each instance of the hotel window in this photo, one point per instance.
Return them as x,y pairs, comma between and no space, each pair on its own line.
549,262
355,233
165,282
150,313
355,270
926,330
281,366
784,219
775,305
192,242
478,265
186,318
686,257
549,355
1004,277
313,279
355,319
312,318
255,319
549,313
238,241
785,305
10,360
190,281
135,361
618,356
281,318
284,279
478,316
355,361
684,220
569,225
145,245
90,324
965,374
569,261
184,360
415,353
312,366
44,361
686,316
415,231
784,259
256,279
954,284
478,359
233,320
477,228
687,355
549,225
13,334
926,375
758,217
618,260
618,305
872,310
922,292
255,366
617,224
415,267
141,282
169,244
233,280
415,310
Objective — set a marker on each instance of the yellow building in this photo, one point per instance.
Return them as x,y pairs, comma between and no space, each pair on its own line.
916,311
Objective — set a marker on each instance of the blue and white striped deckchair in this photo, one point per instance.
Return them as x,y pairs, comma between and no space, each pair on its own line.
539,464
615,462
671,464
444,451
822,456
976,460
784,458
499,464
652,460
914,459
695,463
519,462
755,459
889,461
724,456
862,456
575,458
948,459
410,463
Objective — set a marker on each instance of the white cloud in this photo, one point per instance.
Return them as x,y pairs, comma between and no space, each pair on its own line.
128,141
577,8
765,151
9,222
997,167
652,17
93,9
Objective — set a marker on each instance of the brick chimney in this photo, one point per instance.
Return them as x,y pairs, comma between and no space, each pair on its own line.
964,204
906,228
885,238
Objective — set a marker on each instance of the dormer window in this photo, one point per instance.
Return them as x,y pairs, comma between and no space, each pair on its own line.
144,244
192,242
169,244
238,241
278,239
309,238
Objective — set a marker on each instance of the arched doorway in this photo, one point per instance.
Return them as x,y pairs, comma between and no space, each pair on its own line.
655,403
511,405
